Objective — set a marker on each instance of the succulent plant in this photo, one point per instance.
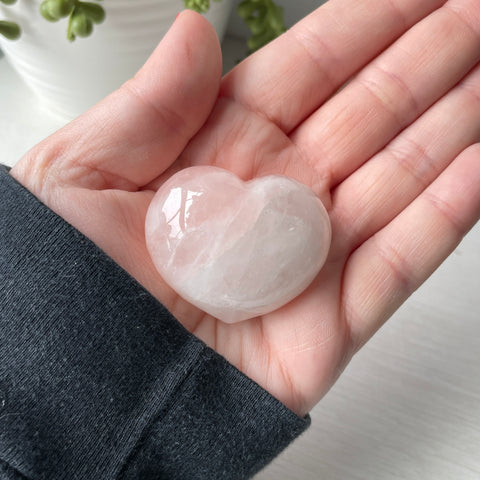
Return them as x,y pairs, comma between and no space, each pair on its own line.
81,17
263,17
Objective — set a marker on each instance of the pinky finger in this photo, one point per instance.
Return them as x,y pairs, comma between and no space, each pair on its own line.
383,272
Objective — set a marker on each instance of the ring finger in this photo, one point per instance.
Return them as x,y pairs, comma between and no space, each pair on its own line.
370,198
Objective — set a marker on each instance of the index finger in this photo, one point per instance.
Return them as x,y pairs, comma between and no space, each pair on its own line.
292,76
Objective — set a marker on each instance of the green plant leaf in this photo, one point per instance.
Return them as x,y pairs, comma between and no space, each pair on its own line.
200,6
8,2
9,30
45,12
93,11
80,24
59,8
264,19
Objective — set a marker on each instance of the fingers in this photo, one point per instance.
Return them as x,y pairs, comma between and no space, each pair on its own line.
376,193
385,270
290,78
392,91
138,131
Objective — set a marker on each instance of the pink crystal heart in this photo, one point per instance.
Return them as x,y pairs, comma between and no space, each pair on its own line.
236,249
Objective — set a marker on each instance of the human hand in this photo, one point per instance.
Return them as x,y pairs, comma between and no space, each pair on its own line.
392,155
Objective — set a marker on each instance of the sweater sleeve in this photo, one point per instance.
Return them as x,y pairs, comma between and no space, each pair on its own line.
99,381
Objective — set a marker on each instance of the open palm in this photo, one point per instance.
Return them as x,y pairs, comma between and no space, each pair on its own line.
392,155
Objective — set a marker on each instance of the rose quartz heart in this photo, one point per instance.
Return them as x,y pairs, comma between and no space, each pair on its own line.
236,249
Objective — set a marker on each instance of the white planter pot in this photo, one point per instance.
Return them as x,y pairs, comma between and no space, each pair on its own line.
72,76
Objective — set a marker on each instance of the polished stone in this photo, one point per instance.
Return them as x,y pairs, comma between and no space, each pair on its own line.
236,249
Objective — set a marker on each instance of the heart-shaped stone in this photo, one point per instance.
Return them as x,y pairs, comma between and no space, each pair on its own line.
236,249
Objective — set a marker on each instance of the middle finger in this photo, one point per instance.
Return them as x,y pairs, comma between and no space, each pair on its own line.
391,92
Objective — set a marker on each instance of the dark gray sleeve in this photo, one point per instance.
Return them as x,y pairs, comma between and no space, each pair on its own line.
98,381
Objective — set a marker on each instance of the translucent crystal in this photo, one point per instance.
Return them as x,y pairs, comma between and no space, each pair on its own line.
236,249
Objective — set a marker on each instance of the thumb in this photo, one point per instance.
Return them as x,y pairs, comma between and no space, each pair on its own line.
133,135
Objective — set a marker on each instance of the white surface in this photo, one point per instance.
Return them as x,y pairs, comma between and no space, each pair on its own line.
408,406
